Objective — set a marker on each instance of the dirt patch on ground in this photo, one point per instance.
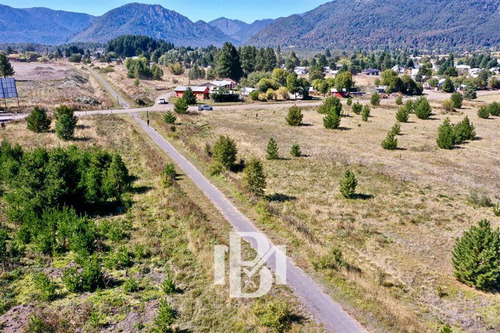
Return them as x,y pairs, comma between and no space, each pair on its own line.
33,71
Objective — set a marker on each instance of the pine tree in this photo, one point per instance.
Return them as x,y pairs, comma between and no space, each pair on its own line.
38,121
483,112
390,142
422,108
6,68
357,107
331,104
399,100
348,184
228,63
476,259
446,135
463,131
65,127
402,115
181,106
117,179
295,116
331,120
295,150
470,93
254,177
272,150
189,96
225,151
365,113
169,175
494,109
169,117
457,100
375,99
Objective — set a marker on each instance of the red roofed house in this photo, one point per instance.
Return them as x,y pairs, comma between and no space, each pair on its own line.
199,92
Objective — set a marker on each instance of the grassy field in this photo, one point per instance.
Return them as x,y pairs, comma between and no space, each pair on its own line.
170,233
397,236
52,84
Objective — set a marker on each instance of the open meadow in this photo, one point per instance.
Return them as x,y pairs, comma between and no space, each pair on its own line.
49,85
156,253
396,236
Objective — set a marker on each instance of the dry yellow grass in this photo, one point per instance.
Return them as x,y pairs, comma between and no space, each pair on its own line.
401,236
178,232
51,84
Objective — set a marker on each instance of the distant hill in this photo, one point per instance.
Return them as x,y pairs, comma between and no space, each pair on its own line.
239,30
153,21
353,24
40,25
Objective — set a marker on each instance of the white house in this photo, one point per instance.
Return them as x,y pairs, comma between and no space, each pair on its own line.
301,70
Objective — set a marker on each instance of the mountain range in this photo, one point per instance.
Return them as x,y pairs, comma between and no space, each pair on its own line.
339,24
424,24
239,30
40,25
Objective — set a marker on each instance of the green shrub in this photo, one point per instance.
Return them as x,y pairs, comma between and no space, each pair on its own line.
272,150
448,105
122,258
446,135
189,96
331,104
169,118
168,285
422,108
181,106
446,329
399,100
496,209
254,177
294,117
254,95
457,100
470,93
38,121
475,257
375,100
402,115
390,142
225,151
349,101
463,131
333,260
494,109
130,286
365,113
348,184
274,315
45,286
88,277
396,129
169,175
410,106
357,107
483,112
331,120
295,150
165,318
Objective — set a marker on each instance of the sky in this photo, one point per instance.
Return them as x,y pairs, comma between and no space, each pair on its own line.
206,10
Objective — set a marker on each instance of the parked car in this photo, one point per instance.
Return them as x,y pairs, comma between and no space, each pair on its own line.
205,107
162,101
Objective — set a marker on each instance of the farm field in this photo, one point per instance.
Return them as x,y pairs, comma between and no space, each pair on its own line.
396,237
168,233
